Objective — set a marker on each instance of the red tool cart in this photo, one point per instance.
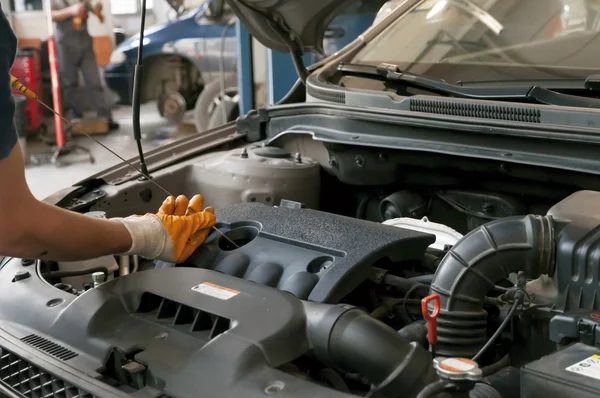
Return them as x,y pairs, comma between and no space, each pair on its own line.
27,68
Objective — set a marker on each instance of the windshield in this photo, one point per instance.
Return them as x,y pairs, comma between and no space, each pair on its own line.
487,40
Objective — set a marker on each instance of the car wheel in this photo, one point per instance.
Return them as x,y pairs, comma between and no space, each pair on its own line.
210,104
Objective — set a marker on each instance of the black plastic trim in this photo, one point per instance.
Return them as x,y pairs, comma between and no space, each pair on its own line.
553,146
481,111
49,347
55,367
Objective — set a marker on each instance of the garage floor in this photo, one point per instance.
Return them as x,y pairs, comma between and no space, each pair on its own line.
46,179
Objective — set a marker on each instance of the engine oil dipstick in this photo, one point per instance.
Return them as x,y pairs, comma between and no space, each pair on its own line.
16,84
431,318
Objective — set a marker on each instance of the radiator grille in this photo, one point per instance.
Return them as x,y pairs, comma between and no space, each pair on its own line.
49,347
32,382
484,111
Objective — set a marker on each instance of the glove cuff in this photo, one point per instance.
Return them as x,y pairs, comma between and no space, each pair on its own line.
149,236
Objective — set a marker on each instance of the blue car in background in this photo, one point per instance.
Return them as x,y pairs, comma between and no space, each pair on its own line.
182,58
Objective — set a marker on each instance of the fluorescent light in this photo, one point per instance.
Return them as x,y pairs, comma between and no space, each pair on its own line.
437,8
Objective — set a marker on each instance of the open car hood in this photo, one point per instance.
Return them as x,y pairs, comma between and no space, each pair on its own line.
283,25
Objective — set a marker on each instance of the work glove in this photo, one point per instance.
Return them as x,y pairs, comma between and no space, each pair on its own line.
172,234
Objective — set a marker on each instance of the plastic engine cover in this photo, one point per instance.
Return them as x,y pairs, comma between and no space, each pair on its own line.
178,332
314,255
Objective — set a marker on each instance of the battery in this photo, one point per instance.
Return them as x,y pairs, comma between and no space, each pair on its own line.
573,371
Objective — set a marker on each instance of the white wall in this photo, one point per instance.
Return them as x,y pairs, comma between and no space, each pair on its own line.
5,6
34,24
161,13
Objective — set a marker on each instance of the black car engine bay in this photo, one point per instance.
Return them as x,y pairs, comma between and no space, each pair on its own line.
325,299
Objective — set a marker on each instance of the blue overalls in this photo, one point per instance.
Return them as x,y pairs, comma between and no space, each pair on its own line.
76,52
8,48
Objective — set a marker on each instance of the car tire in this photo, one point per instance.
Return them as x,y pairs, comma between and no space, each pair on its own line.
209,103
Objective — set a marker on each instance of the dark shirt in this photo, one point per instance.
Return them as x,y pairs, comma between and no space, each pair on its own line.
8,48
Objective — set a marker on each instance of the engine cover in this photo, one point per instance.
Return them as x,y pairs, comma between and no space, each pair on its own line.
180,332
314,255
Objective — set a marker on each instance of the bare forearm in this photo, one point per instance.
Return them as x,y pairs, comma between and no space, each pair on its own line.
62,15
32,229
49,232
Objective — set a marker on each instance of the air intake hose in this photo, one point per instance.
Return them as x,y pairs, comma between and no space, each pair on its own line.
347,338
472,267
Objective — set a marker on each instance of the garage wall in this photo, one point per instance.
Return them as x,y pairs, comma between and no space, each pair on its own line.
31,28
5,6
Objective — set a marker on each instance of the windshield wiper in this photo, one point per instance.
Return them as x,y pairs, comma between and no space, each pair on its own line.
534,93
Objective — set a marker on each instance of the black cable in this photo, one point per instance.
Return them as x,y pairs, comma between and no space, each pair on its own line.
435,388
228,26
407,296
79,272
489,343
298,60
137,92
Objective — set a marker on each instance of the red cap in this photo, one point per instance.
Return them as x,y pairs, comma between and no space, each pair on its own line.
431,318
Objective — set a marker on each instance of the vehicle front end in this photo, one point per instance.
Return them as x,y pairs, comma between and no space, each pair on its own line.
420,217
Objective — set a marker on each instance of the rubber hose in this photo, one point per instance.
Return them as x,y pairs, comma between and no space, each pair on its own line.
415,331
434,389
79,272
495,367
471,268
427,279
483,390
338,335
334,379
405,284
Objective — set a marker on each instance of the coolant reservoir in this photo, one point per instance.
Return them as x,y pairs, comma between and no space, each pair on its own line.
444,235
262,174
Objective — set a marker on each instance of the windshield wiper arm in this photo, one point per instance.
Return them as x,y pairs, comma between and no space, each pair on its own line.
534,93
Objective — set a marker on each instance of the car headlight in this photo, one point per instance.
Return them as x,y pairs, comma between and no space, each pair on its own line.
117,57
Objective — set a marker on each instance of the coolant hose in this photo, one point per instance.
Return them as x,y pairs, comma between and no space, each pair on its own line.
473,266
348,338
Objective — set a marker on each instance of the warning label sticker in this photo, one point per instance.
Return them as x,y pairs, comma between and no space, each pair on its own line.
215,291
589,367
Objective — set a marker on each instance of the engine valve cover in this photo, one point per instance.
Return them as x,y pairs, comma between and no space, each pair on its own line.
314,255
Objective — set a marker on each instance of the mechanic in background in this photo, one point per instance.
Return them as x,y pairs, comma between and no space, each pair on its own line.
75,53
32,229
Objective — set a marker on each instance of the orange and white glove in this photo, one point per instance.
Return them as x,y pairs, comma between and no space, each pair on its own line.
174,233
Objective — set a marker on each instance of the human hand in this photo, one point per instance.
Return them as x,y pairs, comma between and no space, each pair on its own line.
77,10
174,233
99,6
